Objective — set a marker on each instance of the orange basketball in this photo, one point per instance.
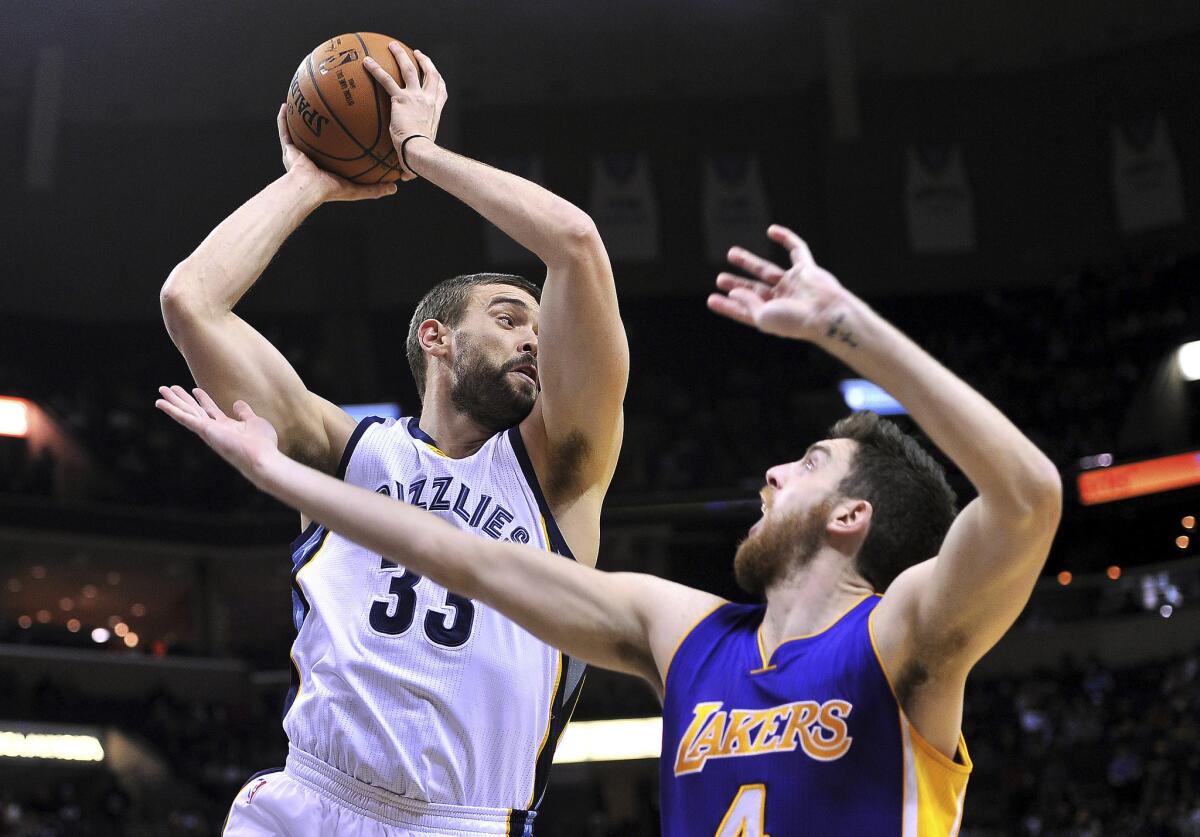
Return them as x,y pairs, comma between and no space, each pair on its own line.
338,115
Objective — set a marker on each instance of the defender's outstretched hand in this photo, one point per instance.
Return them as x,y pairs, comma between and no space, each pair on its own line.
417,105
332,187
246,441
804,302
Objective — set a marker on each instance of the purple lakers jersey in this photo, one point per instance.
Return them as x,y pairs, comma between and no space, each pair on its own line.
808,742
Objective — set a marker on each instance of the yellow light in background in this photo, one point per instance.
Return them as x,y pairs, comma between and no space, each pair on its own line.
131,640
1114,572
73,625
1182,541
120,629
14,417
1064,578
619,740
24,621
46,746
1188,522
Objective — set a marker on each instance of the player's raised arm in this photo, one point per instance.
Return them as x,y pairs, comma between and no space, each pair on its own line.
626,622
937,618
583,363
225,354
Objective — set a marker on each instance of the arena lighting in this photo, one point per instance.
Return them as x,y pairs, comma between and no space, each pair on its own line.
1188,358
860,394
35,745
620,740
1149,476
14,417
358,412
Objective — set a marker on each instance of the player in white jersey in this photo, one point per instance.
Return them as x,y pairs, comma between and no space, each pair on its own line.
414,710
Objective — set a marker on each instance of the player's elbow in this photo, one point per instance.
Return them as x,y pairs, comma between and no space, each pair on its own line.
578,235
1042,495
178,298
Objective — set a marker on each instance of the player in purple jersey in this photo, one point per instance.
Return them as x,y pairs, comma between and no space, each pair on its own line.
836,708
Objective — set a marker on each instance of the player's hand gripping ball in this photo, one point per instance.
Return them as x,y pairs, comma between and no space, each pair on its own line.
338,115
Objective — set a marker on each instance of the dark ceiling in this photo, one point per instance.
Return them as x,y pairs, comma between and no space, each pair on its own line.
195,61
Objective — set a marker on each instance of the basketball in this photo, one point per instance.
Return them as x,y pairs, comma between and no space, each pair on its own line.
338,115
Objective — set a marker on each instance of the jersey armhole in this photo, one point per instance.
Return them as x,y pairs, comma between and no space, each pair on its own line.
555,537
340,474
683,638
961,763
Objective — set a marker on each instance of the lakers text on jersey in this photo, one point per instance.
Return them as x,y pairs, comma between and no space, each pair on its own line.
810,741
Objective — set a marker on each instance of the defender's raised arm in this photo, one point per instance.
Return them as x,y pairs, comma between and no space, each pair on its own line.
626,622
939,617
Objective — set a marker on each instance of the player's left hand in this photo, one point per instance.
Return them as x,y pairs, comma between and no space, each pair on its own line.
246,441
803,302
417,106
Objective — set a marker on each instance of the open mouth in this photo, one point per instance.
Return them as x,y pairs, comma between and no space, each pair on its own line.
528,373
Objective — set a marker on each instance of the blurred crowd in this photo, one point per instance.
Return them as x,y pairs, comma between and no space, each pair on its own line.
710,405
1078,751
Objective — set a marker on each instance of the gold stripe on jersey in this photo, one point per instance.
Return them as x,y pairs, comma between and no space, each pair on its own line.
558,671
934,784
685,635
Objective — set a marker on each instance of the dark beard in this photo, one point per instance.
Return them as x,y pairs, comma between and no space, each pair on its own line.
780,546
482,390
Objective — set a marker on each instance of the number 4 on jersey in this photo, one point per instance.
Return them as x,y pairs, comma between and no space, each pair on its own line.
747,813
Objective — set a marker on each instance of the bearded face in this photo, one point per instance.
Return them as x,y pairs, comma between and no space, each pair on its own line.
785,541
487,390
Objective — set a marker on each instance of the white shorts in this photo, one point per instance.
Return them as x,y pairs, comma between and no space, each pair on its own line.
310,799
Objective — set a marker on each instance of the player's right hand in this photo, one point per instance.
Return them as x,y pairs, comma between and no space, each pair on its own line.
417,106
803,301
247,441
330,186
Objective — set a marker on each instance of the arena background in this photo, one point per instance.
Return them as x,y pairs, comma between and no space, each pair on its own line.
1017,184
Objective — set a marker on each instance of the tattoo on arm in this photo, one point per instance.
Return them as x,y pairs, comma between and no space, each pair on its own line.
844,334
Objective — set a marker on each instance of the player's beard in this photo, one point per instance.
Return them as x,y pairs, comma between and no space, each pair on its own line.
484,390
784,543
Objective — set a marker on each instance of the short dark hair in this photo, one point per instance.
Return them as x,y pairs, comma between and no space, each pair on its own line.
912,505
446,302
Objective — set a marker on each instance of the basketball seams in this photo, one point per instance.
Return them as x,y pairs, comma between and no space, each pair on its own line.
308,149
380,117
368,153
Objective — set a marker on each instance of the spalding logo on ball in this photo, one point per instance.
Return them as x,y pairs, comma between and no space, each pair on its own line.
338,115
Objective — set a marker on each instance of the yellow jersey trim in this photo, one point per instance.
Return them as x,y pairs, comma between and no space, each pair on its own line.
685,635
762,651
549,723
961,749
934,784
435,449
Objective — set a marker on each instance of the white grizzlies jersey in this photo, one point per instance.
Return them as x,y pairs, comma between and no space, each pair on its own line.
404,685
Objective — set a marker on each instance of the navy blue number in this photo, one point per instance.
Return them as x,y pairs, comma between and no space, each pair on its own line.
458,630
446,630
403,588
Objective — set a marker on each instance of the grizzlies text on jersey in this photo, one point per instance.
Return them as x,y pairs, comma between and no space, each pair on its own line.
405,686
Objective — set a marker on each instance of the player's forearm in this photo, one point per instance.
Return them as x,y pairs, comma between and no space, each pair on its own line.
1000,461
550,227
563,603
229,261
